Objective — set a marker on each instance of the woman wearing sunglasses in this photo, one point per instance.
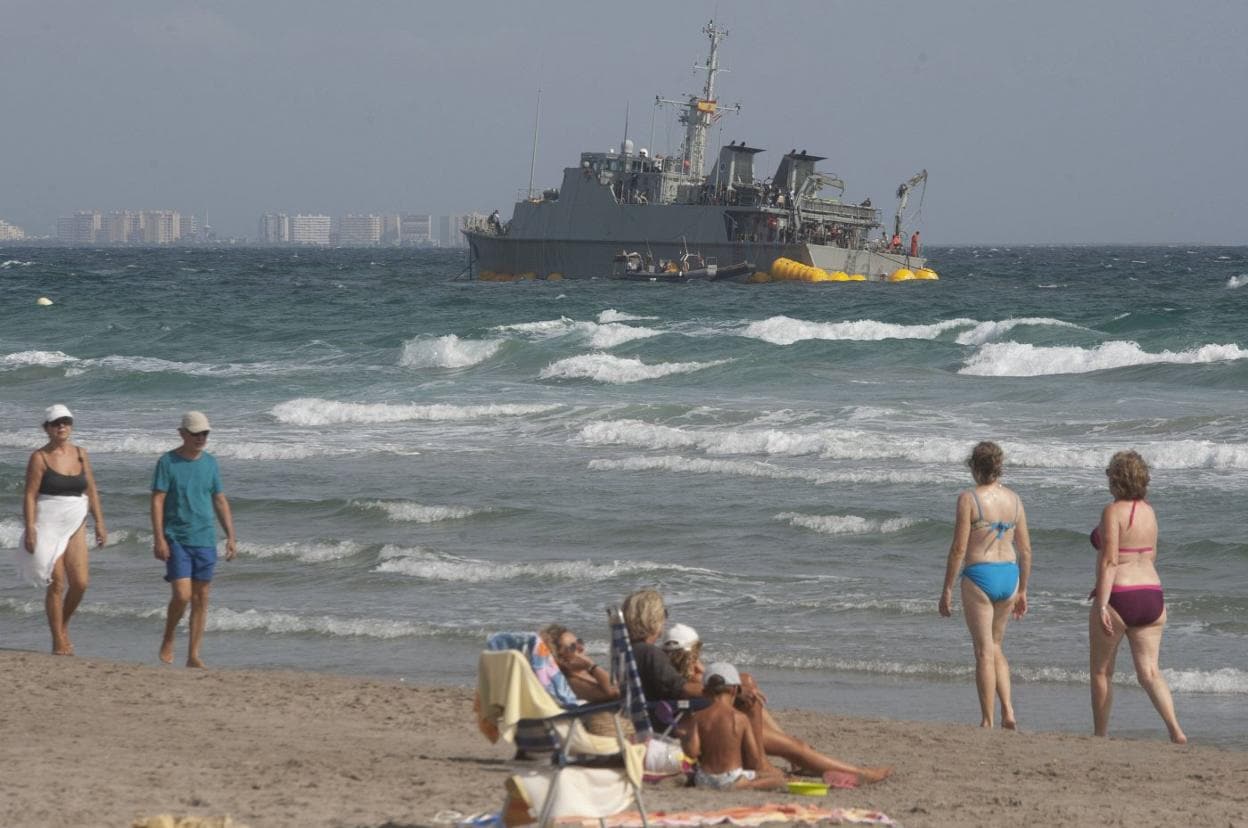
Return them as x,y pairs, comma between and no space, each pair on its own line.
589,680
60,490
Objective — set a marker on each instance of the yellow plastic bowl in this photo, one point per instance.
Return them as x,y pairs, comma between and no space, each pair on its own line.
808,788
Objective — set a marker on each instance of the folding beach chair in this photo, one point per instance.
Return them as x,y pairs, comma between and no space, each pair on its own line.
590,775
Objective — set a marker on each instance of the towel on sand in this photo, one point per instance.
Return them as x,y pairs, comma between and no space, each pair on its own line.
57,518
746,815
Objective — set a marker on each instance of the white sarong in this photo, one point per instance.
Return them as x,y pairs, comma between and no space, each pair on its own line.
57,518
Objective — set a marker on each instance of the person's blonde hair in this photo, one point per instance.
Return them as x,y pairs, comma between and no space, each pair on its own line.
1128,476
644,614
685,660
985,462
552,633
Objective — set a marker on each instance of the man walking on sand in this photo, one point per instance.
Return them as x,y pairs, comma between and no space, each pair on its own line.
186,492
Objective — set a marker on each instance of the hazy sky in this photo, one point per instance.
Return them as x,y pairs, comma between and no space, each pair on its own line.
1055,121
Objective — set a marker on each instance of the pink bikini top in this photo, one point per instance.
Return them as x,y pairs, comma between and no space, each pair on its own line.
1095,537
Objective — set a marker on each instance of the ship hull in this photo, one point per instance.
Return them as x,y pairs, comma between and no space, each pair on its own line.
587,259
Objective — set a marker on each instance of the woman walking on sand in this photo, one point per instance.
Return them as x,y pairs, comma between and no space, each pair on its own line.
1128,599
60,490
990,535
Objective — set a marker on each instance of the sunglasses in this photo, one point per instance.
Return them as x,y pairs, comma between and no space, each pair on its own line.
577,646
63,421
200,434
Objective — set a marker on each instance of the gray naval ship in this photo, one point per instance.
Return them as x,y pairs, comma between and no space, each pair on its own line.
627,202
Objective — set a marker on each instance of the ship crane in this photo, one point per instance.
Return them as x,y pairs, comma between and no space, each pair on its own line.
903,196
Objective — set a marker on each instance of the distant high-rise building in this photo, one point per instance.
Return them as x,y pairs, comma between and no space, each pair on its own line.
83,227
161,226
449,234
274,228
416,228
390,229
120,226
191,229
309,229
359,230
11,232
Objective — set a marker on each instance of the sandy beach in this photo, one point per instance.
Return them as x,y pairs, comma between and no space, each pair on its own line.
99,743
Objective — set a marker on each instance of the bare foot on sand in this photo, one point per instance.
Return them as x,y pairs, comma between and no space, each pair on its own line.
166,652
195,662
62,646
870,776
1179,738
1009,724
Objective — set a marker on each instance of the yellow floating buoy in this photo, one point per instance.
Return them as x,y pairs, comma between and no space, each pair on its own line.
760,278
925,273
901,274
528,276
44,301
856,277
840,276
554,277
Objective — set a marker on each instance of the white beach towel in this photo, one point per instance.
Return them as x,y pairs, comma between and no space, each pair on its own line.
57,518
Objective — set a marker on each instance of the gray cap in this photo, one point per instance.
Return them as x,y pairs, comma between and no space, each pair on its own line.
195,421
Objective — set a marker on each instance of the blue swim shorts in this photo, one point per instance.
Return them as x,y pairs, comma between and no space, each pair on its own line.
194,562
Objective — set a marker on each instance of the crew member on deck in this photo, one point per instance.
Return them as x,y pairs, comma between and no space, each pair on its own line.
914,244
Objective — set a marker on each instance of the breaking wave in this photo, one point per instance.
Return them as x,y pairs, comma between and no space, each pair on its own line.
845,524
612,315
1014,359
988,331
1237,281
753,468
312,411
447,352
784,330
421,563
416,513
308,552
609,334
619,370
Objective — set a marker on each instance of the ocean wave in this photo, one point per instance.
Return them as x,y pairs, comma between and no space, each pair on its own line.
306,551
752,468
619,370
845,524
612,315
860,444
784,330
432,566
447,352
1014,359
11,533
1237,281
987,331
416,513
312,411
153,445
8,263
27,359
608,334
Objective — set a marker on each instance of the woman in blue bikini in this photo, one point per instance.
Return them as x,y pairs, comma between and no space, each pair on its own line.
990,536
1127,599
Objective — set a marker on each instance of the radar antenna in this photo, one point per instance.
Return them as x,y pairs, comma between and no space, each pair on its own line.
701,112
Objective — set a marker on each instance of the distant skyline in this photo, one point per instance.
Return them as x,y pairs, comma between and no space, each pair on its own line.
1075,122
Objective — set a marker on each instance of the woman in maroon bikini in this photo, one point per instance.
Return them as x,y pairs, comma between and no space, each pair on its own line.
1128,599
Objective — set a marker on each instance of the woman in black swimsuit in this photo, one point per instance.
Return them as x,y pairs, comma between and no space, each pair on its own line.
60,489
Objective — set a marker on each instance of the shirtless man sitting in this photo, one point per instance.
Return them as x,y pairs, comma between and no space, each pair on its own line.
725,741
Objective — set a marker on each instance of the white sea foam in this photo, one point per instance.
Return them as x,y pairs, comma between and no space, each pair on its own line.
8,263
1014,359
416,513
613,334
11,532
24,359
1237,281
312,411
613,315
608,334
222,445
431,566
543,329
784,330
845,524
287,623
752,468
306,551
988,331
447,352
618,370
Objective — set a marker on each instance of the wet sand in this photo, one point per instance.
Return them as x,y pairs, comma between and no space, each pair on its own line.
97,743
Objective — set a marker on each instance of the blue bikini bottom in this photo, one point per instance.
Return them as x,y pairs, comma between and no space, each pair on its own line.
997,579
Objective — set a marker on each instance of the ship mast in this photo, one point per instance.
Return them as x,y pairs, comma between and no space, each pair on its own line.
703,111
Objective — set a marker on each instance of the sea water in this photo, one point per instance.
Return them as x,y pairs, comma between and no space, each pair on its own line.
415,461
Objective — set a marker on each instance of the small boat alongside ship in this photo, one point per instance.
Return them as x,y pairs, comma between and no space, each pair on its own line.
791,226
690,267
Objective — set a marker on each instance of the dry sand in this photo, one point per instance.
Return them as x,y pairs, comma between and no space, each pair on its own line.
97,743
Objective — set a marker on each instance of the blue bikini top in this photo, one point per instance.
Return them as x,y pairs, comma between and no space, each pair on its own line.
999,526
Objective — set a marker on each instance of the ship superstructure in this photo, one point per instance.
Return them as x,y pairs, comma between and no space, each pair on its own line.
630,199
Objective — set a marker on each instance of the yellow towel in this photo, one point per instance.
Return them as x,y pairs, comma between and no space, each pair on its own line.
508,691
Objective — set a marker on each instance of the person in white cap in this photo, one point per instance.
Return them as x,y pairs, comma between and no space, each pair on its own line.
725,741
60,490
186,494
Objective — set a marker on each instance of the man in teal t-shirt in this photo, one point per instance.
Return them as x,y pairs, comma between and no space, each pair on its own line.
186,496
